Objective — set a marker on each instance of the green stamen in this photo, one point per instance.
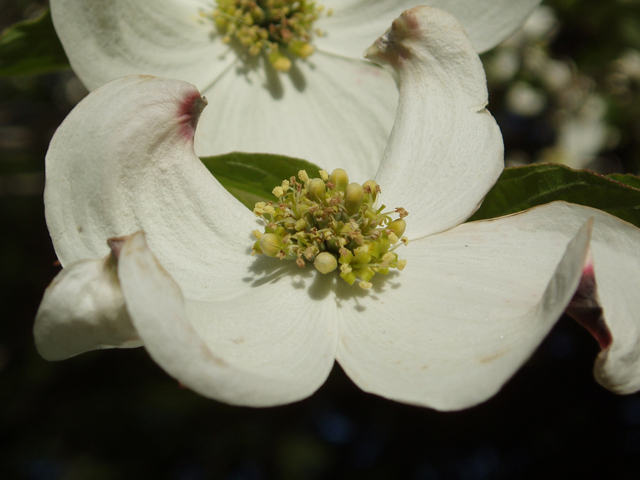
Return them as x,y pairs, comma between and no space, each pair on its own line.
270,26
333,224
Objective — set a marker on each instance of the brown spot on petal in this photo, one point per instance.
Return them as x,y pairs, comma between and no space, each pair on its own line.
585,308
494,356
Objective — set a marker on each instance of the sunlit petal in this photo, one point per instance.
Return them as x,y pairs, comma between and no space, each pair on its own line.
327,110
445,150
471,306
355,22
123,161
107,39
271,347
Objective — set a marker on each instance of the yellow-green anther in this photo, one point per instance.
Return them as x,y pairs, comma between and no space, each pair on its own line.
325,263
340,179
317,190
303,176
389,257
353,196
271,244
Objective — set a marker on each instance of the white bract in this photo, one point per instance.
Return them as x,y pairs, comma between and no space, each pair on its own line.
328,107
472,304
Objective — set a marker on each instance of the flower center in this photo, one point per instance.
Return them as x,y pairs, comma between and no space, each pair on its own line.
328,221
270,26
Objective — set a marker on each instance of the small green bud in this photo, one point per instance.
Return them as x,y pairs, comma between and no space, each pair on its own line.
300,225
376,249
366,273
340,179
349,277
361,257
371,189
289,224
301,49
398,226
271,244
279,62
346,256
317,190
353,196
325,262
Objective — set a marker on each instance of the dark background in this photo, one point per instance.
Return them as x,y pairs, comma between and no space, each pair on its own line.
116,415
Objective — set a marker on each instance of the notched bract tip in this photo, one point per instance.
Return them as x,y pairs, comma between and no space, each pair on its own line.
190,110
391,47
117,243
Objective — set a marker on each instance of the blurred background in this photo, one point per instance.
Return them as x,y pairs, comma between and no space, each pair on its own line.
564,89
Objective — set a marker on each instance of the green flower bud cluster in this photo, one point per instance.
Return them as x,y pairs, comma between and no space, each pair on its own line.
333,224
268,26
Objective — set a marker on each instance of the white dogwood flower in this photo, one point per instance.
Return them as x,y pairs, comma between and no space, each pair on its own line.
329,106
472,304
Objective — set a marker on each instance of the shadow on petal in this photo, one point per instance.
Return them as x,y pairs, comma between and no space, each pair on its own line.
296,76
265,270
252,67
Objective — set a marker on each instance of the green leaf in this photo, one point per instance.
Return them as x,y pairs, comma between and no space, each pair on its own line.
626,178
251,177
31,48
520,188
